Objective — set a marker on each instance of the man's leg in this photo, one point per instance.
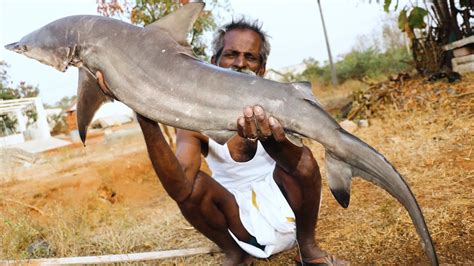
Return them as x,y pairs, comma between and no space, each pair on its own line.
212,210
303,192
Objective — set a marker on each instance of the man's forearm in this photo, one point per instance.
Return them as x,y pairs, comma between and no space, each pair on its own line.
286,154
165,164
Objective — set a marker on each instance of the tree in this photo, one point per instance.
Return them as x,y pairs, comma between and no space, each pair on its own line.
373,57
57,122
144,12
431,26
65,102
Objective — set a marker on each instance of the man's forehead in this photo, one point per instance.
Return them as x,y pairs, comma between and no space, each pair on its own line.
246,39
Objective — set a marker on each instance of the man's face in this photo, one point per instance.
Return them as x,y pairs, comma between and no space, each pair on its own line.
241,51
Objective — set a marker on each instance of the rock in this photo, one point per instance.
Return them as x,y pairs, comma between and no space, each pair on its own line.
348,125
363,123
106,193
39,249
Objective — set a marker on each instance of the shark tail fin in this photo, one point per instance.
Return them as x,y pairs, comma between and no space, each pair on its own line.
339,176
352,157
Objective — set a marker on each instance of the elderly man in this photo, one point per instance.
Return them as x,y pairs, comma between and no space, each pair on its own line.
264,194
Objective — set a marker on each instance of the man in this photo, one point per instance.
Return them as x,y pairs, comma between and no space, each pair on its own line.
265,193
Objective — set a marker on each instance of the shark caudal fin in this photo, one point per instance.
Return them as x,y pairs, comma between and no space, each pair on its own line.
89,98
353,157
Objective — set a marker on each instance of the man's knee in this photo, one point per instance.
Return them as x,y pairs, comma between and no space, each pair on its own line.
205,194
210,204
308,168
195,197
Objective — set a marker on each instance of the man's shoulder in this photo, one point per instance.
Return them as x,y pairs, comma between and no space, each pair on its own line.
188,134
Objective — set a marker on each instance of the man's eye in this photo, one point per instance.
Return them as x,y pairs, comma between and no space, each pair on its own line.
251,58
228,55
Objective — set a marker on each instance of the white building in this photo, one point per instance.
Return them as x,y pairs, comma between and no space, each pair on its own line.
16,108
278,74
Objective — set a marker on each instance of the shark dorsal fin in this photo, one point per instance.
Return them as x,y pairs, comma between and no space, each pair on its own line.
304,88
180,22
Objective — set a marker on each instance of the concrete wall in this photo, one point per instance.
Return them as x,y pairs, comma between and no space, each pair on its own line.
11,139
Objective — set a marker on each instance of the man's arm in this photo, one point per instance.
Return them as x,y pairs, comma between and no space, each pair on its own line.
189,146
165,164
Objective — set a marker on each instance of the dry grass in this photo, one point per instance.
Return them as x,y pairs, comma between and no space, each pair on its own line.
430,144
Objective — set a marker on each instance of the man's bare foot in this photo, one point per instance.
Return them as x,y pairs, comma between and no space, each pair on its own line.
312,251
313,255
328,259
237,258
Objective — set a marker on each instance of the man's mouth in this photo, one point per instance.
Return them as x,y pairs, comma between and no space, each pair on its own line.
244,70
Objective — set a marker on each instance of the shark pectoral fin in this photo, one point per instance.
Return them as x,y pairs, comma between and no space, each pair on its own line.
294,138
180,22
89,98
219,136
339,176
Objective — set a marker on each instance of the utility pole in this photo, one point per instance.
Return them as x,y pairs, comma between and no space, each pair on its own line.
331,63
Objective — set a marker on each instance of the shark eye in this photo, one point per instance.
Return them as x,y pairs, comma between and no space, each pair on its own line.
22,48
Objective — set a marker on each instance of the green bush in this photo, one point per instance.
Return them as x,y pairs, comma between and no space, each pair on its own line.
369,63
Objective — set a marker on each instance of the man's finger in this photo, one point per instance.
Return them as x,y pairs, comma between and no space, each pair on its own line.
240,126
250,128
277,129
100,80
263,126
102,84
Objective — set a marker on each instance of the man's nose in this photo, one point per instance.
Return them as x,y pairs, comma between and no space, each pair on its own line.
240,61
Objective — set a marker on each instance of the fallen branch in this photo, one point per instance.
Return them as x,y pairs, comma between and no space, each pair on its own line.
463,94
25,205
143,256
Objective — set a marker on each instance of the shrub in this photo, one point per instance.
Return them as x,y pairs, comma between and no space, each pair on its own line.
368,63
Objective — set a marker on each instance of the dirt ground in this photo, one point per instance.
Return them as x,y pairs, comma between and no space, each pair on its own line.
105,198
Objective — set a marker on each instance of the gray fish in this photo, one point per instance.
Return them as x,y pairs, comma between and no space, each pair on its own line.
153,71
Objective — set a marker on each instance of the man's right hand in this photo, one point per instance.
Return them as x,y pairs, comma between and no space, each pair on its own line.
255,124
102,84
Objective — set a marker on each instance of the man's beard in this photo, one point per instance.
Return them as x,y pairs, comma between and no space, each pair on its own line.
243,70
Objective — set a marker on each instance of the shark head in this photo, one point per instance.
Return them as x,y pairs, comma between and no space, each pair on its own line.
62,43
46,46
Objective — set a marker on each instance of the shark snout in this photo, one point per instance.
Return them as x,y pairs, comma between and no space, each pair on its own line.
16,47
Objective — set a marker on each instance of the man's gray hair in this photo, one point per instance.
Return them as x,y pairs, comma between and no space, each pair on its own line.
241,24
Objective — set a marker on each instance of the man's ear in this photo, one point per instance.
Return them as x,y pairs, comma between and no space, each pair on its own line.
213,60
261,71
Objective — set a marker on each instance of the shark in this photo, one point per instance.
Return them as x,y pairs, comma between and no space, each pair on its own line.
152,70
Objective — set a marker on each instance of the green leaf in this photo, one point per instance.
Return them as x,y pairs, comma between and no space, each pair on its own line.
416,18
402,19
386,5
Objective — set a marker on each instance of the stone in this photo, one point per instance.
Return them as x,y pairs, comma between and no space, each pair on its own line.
348,125
363,123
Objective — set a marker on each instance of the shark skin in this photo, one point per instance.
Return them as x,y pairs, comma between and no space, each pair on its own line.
152,70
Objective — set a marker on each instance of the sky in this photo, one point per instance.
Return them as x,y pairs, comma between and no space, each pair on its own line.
294,26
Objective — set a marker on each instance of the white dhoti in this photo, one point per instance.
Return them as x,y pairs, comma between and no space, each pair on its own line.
267,216
264,211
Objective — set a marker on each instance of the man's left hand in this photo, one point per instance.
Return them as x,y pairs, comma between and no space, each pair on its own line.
255,124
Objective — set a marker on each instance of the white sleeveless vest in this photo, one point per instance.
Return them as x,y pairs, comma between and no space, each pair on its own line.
238,175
